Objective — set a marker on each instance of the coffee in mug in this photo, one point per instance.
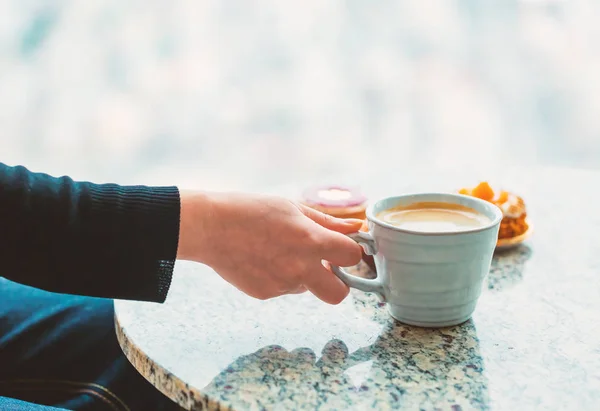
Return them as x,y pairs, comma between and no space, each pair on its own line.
434,217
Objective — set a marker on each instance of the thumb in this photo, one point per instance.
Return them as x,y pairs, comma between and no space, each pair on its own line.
341,225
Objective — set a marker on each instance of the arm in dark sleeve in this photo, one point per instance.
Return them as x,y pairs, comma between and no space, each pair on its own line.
100,240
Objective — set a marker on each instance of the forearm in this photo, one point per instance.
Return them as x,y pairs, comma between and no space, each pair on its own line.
100,240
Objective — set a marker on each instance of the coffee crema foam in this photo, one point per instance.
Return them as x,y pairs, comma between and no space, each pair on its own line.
434,217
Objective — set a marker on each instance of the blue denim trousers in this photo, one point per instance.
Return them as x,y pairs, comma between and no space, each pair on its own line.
60,352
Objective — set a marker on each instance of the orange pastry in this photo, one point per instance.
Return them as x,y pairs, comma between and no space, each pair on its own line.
514,223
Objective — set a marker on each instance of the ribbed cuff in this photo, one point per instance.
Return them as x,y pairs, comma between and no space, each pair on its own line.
146,238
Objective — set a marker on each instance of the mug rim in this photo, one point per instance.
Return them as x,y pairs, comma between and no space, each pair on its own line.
498,215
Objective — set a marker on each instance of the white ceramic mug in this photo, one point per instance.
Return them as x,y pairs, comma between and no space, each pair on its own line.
427,279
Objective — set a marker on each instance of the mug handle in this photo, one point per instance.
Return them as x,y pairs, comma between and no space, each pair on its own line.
375,285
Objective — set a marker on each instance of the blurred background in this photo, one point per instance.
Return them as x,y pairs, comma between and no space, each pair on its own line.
241,93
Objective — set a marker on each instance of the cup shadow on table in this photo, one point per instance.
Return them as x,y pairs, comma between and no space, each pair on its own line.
405,365
508,267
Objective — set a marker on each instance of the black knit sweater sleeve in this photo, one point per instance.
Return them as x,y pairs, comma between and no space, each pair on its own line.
101,240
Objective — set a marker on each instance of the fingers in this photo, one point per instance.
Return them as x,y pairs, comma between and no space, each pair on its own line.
345,226
334,246
339,249
326,286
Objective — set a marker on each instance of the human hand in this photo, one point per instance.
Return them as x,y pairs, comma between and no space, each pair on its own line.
267,246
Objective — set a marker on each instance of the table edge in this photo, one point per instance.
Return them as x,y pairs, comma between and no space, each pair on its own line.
162,379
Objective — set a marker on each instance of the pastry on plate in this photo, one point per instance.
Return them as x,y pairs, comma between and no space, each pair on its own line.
515,226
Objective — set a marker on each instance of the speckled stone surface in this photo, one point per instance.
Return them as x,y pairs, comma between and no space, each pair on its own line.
533,342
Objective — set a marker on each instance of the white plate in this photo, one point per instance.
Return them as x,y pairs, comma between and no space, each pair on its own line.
506,243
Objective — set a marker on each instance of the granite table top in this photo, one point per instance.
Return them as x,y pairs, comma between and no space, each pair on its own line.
533,342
